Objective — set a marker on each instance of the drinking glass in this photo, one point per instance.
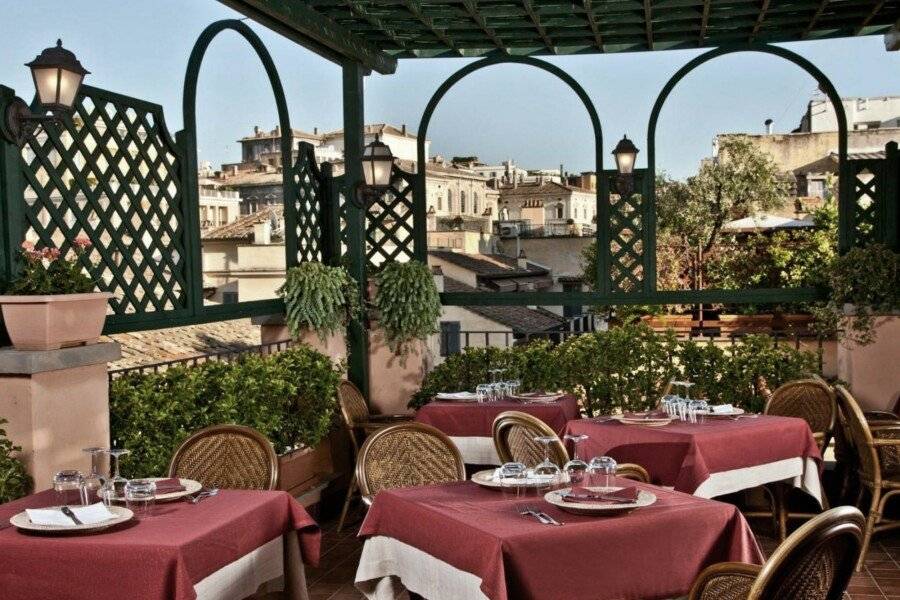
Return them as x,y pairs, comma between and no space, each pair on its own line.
483,392
600,470
513,386
512,478
140,496
69,487
93,482
575,468
115,485
547,467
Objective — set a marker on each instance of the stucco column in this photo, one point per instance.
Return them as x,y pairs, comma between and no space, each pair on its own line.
57,403
871,372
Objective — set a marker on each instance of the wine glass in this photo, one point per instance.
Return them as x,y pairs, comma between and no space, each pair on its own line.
93,482
575,468
546,469
601,469
115,485
483,392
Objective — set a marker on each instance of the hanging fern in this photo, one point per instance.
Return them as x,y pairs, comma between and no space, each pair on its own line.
407,303
319,297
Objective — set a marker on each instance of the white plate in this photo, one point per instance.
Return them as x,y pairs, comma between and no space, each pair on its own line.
190,487
646,421
21,521
735,412
645,498
543,399
486,479
457,397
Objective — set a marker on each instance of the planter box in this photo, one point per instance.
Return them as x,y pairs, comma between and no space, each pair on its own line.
302,470
55,321
680,323
745,323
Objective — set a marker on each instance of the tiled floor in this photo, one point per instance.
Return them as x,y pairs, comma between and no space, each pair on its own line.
333,579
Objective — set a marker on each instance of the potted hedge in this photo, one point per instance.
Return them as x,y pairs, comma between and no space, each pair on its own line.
52,304
320,300
15,482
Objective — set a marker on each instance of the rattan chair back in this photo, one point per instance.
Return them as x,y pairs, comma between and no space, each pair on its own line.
354,410
228,457
816,562
809,399
860,437
404,455
633,471
514,434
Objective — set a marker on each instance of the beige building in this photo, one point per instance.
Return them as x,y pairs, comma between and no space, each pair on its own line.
461,207
549,208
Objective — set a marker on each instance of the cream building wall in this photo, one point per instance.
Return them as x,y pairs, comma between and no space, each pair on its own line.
862,113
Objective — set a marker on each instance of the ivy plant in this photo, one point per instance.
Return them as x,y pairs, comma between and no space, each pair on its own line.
319,297
407,304
15,482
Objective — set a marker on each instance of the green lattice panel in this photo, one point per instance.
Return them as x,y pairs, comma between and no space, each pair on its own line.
389,223
626,231
308,203
111,173
867,192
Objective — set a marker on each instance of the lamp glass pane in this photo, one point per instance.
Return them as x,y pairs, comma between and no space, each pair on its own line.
368,171
45,80
625,162
69,83
382,172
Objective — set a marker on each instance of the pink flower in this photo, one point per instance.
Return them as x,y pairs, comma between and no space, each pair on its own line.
51,254
82,242
27,246
34,254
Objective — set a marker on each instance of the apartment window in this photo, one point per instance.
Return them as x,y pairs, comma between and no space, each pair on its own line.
815,188
559,211
450,333
450,201
223,215
475,203
229,297
462,202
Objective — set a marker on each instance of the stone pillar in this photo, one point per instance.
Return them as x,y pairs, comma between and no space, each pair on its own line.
57,403
871,372
273,329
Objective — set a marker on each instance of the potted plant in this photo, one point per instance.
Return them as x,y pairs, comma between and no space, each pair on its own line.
407,304
52,304
15,482
319,302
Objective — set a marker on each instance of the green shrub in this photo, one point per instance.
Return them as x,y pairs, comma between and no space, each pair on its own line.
627,368
407,303
288,396
15,482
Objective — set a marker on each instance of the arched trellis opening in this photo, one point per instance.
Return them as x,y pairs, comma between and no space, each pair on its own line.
420,195
845,202
188,141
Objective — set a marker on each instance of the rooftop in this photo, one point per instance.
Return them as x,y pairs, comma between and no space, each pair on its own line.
520,319
242,227
539,187
489,265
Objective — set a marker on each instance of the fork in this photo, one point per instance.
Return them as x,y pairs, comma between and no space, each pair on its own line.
530,512
550,520
204,493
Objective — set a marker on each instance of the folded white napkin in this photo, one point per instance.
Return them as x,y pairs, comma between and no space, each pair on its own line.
530,478
89,515
721,409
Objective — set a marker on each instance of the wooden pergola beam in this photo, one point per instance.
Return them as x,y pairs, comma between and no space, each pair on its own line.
815,18
471,7
704,22
301,24
415,9
375,22
875,10
592,22
759,20
542,31
648,23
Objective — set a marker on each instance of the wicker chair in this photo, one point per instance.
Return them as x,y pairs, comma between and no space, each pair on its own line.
633,471
878,450
814,563
813,401
227,456
359,423
406,455
514,434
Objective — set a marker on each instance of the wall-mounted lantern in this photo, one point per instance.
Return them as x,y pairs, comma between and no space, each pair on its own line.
377,164
625,153
57,78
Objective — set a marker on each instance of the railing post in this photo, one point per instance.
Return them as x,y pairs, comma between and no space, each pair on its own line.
12,200
354,140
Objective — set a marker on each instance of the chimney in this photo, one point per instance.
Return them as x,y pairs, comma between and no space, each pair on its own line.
315,131
769,126
403,129
256,130
562,176
262,233
521,261
234,169
278,130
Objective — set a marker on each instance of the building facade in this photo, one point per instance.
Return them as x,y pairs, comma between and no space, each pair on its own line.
548,208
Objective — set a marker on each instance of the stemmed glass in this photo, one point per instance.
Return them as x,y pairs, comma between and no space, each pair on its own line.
602,468
547,467
115,485
94,481
575,468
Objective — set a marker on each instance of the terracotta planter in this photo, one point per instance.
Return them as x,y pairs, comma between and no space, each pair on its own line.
55,321
302,470
676,322
745,323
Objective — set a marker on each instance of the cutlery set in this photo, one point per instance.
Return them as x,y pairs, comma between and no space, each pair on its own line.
201,495
541,516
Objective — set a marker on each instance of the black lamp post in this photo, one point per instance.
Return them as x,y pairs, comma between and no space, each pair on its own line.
57,78
626,155
377,164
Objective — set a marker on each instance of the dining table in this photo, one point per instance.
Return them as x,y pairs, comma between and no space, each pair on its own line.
226,547
460,540
713,456
470,424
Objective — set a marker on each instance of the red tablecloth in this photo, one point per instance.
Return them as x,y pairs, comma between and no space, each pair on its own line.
471,419
161,556
684,455
653,552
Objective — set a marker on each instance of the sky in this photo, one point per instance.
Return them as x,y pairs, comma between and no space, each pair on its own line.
141,47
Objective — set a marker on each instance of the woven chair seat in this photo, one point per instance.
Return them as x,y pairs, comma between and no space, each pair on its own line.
727,586
228,457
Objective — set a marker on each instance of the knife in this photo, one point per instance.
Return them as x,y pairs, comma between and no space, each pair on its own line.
68,512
